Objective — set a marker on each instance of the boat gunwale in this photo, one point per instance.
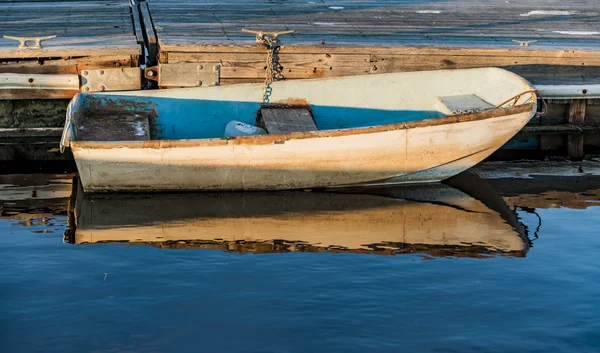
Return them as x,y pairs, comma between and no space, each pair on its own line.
281,138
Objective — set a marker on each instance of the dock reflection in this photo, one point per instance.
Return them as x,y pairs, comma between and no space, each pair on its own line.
464,218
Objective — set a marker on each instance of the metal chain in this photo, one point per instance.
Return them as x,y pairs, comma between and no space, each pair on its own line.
270,67
270,40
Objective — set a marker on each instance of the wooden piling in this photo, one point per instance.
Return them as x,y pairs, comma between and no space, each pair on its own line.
575,147
576,111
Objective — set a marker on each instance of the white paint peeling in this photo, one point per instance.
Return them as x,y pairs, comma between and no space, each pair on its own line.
428,11
547,13
336,7
139,128
578,33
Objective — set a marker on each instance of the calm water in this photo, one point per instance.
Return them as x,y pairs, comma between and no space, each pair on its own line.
303,272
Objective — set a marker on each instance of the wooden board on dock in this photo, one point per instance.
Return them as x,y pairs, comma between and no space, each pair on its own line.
82,28
90,35
344,37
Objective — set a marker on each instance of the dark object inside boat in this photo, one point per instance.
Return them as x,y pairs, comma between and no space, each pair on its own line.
278,119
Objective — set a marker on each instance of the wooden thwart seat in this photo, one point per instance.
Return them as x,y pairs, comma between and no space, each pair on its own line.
467,103
121,127
277,120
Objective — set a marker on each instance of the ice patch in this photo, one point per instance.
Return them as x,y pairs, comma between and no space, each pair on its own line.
428,11
545,12
577,33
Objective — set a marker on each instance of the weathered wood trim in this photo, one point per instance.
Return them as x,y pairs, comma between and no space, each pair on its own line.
26,86
66,66
35,82
251,47
415,62
561,129
135,61
248,66
163,57
585,91
576,111
575,147
31,132
84,51
293,66
37,94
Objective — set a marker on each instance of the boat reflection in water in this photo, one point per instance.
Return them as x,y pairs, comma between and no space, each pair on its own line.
464,217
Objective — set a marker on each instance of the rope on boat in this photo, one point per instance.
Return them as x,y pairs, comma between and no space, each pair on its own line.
65,138
515,99
272,71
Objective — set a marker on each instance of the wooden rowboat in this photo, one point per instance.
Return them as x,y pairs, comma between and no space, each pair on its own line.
371,130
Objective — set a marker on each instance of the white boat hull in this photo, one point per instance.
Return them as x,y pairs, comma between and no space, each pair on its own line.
409,155
372,130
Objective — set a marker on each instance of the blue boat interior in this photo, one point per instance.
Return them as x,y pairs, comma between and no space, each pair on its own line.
114,117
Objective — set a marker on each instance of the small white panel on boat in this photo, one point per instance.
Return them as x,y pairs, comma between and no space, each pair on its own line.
467,103
285,120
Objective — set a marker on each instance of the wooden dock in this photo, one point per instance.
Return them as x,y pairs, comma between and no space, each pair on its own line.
336,38
89,35
550,42
332,38
547,42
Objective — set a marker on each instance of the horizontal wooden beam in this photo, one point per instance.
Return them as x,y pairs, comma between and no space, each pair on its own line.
16,94
241,67
26,86
250,47
31,132
39,82
590,91
62,52
66,66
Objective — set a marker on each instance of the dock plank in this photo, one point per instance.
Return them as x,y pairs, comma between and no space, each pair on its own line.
83,28
462,23
351,37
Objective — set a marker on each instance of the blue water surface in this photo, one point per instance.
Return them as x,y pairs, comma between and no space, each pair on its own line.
121,298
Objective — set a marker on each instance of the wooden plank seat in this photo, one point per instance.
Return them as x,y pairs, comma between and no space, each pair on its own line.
282,120
117,127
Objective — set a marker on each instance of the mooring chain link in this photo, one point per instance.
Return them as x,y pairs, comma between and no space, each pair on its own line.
271,42
270,67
